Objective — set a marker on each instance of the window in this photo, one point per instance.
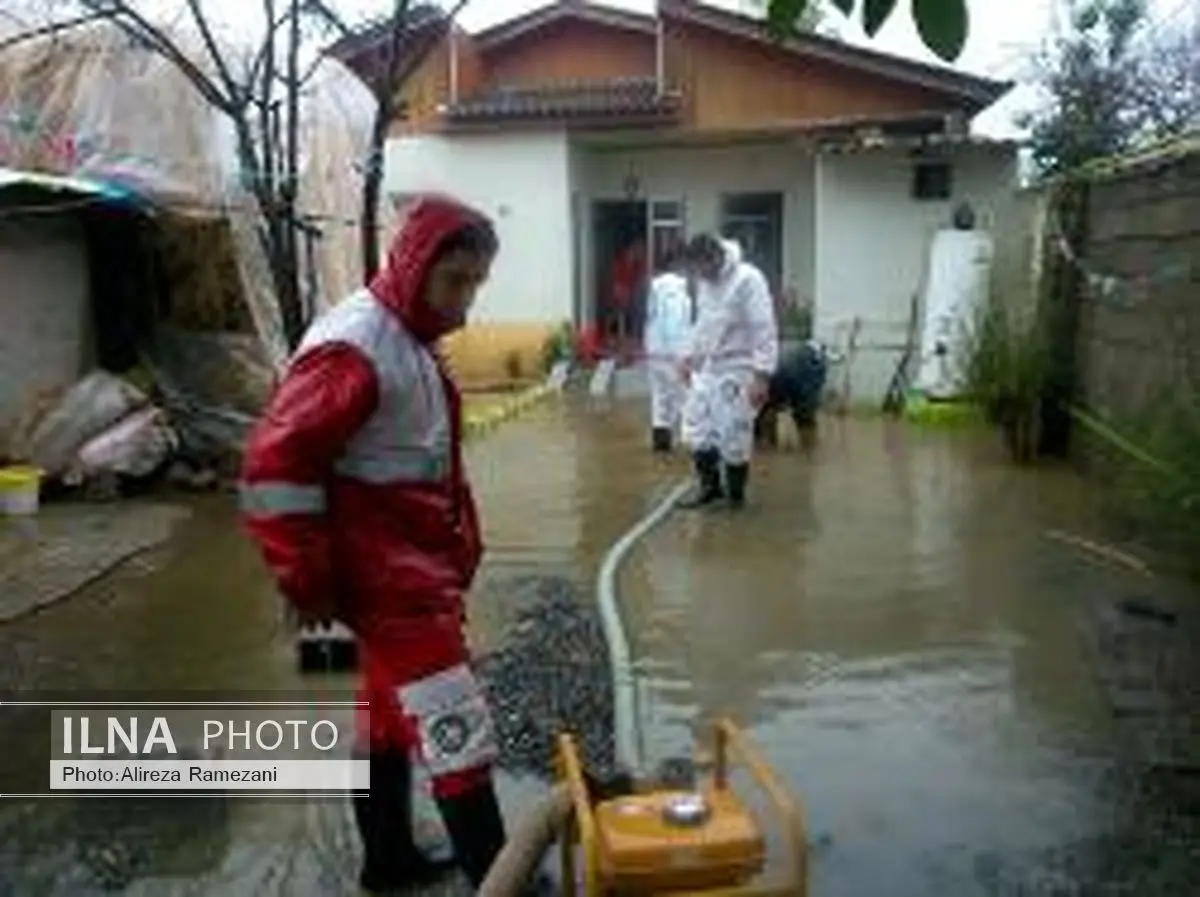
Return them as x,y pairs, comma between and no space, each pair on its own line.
755,220
666,230
932,181
665,212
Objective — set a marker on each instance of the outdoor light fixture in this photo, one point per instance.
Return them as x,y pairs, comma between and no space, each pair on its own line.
632,186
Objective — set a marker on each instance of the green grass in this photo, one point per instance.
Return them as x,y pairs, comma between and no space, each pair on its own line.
1154,461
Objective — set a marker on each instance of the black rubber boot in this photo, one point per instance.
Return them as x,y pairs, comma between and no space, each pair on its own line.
660,439
708,476
735,481
391,859
476,828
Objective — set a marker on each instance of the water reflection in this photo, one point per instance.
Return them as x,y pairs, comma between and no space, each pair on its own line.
891,625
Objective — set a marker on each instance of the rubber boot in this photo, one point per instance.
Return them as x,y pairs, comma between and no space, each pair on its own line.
708,476
735,480
476,828
391,858
660,440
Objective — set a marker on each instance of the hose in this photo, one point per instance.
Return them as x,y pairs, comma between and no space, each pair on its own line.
541,828
527,845
625,716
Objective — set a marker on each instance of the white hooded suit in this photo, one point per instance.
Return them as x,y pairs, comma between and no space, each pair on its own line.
734,338
668,328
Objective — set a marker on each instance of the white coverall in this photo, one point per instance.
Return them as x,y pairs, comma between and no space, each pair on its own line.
668,326
735,337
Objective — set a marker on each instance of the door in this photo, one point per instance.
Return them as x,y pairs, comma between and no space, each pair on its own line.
755,220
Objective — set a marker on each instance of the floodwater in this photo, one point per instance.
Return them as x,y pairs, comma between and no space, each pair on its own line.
887,619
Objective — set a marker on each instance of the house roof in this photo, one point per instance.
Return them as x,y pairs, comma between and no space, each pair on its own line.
617,98
564,11
365,51
973,91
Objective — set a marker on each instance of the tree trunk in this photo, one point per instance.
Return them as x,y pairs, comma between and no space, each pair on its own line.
1060,318
368,222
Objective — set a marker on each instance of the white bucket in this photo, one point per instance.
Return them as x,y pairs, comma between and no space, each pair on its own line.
20,491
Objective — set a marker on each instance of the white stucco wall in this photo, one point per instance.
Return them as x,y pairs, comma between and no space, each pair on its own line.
46,336
700,176
871,243
523,182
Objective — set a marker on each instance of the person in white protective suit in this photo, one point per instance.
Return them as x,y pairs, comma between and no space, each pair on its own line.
732,353
668,328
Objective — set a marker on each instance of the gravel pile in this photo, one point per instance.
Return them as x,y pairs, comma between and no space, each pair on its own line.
551,674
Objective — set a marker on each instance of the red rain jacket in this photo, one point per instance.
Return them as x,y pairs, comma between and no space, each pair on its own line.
353,483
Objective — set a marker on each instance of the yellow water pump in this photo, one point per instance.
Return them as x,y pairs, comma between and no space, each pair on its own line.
704,841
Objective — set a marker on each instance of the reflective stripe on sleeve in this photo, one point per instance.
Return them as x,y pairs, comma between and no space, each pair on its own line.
281,498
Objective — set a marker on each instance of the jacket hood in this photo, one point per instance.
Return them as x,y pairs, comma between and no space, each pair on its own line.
400,283
733,256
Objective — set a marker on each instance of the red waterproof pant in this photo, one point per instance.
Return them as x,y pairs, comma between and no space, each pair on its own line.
424,699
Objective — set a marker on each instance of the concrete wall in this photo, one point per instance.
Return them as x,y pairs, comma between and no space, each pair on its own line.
700,176
1143,337
46,334
872,238
854,239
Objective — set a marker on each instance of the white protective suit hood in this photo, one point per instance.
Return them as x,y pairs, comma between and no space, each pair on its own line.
668,318
733,257
736,326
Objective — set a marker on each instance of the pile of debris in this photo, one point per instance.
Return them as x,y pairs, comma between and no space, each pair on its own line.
105,437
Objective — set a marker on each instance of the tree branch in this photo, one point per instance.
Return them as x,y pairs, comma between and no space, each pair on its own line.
325,12
267,46
50,30
214,53
137,27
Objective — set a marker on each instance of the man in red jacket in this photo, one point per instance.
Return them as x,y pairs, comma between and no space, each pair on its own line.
353,487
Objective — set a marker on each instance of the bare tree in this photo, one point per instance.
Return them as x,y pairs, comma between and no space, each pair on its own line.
258,87
385,54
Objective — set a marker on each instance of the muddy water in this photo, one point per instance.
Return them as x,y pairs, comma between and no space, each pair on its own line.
890,622
200,615
887,620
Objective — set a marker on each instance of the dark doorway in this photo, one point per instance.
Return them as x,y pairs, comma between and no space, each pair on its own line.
619,244
755,220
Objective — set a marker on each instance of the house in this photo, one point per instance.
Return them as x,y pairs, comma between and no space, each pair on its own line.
583,128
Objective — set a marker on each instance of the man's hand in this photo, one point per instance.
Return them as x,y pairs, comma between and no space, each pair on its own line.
760,388
320,620
320,617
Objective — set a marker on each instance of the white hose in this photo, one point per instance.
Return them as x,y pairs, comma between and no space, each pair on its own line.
625,714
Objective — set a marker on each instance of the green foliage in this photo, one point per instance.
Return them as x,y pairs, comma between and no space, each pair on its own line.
1007,367
1116,81
942,24
795,322
559,346
1090,75
1156,473
1007,370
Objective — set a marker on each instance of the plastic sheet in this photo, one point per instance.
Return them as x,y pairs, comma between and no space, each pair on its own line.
88,408
136,447
89,103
